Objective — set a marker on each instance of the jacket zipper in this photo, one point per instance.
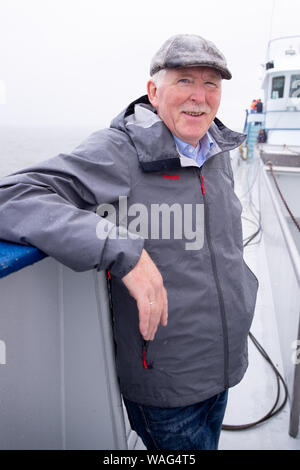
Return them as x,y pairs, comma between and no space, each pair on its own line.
144,355
145,346
217,281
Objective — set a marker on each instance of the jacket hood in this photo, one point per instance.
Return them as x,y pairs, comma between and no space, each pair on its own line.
156,147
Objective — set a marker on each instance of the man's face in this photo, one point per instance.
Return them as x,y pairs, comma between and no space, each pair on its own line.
187,101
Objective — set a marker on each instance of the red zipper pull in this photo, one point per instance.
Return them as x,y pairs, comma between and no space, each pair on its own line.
144,358
202,185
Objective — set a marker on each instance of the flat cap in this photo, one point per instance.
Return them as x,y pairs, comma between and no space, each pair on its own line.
187,50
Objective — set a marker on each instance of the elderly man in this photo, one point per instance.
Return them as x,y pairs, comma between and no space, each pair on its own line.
151,200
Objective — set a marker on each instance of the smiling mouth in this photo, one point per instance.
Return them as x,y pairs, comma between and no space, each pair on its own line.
191,113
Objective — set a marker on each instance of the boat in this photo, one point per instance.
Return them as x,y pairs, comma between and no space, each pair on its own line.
270,160
59,388
278,126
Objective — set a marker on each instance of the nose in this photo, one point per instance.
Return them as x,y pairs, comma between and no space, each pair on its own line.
198,94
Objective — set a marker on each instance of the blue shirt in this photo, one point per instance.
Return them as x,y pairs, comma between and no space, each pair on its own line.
199,153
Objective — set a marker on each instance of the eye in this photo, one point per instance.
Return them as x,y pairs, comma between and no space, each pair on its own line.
184,80
211,84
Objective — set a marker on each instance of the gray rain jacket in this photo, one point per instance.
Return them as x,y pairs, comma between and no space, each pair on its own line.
211,291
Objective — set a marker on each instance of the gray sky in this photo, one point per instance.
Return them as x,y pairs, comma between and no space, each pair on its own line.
79,62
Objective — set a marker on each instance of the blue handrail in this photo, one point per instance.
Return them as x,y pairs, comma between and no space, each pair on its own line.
246,122
14,257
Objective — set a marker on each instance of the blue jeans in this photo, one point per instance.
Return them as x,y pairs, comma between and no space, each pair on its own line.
194,427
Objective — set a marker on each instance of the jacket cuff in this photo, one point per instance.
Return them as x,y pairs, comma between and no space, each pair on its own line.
121,255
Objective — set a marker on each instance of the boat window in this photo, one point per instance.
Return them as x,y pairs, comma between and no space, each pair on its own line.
277,87
295,86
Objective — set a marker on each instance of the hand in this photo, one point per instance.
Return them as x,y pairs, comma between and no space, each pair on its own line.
145,284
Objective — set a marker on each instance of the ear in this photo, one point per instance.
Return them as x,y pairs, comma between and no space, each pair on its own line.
152,93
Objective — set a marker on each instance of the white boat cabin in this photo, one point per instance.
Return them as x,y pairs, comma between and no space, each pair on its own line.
281,86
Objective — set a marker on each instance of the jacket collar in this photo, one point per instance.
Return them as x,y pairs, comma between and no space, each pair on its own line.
154,142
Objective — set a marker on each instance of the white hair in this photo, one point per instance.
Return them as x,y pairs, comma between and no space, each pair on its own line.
157,78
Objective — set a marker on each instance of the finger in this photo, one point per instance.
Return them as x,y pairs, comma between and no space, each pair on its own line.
153,320
155,316
164,316
144,316
158,312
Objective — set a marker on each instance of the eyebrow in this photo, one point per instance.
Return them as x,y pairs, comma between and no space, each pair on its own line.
184,74
208,75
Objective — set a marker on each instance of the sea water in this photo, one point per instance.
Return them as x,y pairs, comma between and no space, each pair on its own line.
21,147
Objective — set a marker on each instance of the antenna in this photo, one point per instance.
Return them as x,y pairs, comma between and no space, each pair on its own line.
271,29
272,18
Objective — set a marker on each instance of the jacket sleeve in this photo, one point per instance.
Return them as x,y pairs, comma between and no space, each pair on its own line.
52,205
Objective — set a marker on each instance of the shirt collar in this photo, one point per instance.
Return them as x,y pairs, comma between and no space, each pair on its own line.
203,147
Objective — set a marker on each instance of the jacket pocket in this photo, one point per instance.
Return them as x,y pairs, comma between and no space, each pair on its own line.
147,356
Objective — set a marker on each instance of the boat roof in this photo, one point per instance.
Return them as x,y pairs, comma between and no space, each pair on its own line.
284,52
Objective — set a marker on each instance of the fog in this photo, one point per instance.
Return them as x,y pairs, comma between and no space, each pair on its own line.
79,62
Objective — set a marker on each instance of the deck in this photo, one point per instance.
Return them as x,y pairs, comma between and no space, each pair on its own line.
252,399
254,396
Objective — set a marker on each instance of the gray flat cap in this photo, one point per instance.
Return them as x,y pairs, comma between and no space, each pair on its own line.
187,50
